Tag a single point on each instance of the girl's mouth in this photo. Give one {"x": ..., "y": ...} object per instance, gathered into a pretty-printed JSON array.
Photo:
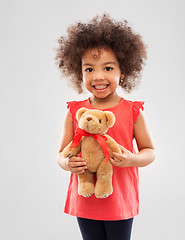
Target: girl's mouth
[{"x": 100, "y": 87}]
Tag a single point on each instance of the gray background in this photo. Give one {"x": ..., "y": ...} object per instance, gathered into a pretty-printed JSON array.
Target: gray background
[{"x": 33, "y": 96}]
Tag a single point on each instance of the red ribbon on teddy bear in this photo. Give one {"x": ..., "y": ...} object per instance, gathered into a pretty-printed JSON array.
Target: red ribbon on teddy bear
[{"x": 101, "y": 139}]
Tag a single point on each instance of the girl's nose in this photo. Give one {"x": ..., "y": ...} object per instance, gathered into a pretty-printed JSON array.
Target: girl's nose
[{"x": 99, "y": 75}]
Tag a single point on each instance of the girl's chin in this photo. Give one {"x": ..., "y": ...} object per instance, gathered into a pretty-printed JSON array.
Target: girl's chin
[
  {"x": 103, "y": 96},
  {"x": 100, "y": 95}
]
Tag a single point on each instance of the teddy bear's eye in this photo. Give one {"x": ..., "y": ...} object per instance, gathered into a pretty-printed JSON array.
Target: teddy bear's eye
[{"x": 99, "y": 121}]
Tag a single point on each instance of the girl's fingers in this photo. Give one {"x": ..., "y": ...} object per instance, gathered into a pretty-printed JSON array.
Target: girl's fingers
[
  {"x": 114, "y": 162},
  {"x": 77, "y": 165},
  {"x": 122, "y": 148},
  {"x": 76, "y": 159},
  {"x": 118, "y": 155},
  {"x": 78, "y": 170}
]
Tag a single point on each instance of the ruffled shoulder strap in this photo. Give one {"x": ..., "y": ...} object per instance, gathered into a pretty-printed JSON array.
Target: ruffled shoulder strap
[
  {"x": 72, "y": 108},
  {"x": 137, "y": 105},
  {"x": 70, "y": 104}
]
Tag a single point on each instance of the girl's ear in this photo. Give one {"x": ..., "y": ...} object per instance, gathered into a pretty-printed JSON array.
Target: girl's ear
[
  {"x": 123, "y": 72},
  {"x": 80, "y": 112},
  {"x": 122, "y": 76},
  {"x": 110, "y": 118}
]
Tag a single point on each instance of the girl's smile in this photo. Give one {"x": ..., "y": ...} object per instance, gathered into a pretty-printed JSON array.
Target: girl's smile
[
  {"x": 101, "y": 72},
  {"x": 101, "y": 87}
]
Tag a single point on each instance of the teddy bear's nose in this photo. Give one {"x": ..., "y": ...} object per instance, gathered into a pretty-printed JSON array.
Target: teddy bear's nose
[{"x": 89, "y": 119}]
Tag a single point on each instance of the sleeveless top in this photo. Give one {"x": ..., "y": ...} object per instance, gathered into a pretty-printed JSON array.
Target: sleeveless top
[{"x": 123, "y": 203}]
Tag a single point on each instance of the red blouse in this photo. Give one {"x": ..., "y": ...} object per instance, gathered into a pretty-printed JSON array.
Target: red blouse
[{"x": 123, "y": 203}]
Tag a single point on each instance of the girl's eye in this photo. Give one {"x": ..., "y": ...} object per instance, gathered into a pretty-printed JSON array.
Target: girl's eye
[
  {"x": 89, "y": 70},
  {"x": 108, "y": 68},
  {"x": 99, "y": 121}
]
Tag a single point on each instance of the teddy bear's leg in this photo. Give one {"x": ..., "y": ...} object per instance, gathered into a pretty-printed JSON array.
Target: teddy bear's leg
[
  {"x": 86, "y": 183},
  {"x": 103, "y": 186}
]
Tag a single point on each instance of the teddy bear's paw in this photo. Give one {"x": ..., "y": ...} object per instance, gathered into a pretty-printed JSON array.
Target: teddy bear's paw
[
  {"x": 87, "y": 195},
  {"x": 101, "y": 192},
  {"x": 106, "y": 196},
  {"x": 70, "y": 154},
  {"x": 103, "y": 195},
  {"x": 86, "y": 189}
]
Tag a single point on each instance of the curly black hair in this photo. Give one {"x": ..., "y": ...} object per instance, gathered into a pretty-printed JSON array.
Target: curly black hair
[{"x": 104, "y": 31}]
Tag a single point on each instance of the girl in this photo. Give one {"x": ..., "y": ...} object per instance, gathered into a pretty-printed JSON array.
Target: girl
[{"x": 102, "y": 55}]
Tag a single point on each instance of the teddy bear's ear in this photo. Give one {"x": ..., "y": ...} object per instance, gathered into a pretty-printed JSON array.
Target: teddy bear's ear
[
  {"x": 110, "y": 118},
  {"x": 80, "y": 112}
]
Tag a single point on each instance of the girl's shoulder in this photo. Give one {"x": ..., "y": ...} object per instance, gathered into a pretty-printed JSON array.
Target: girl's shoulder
[
  {"x": 73, "y": 106},
  {"x": 135, "y": 107}
]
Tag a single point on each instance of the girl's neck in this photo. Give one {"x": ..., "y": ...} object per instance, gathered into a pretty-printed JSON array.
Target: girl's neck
[{"x": 102, "y": 103}]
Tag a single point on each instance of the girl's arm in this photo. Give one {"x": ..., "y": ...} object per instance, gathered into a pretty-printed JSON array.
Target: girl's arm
[
  {"x": 146, "y": 154},
  {"x": 67, "y": 136},
  {"x": 75, "y": 164}
]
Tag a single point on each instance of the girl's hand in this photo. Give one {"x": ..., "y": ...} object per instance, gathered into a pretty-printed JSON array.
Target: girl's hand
[
  {"x": 76, "y": 165},
  {"x": 126, "y": 158}
]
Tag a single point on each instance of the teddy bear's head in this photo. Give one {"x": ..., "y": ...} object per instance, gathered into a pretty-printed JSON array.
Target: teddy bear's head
[{"x": 95, "y": 121}]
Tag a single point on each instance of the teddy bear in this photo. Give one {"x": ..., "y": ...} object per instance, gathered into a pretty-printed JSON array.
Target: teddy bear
[{"x": 96, "y": 148}]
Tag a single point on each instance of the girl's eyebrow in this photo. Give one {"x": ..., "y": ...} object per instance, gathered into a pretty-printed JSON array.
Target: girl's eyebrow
[
  {"x": 109, "y": 63},
  {"x": 106, "y": 63},
  {"x": 87, "y": 64}
]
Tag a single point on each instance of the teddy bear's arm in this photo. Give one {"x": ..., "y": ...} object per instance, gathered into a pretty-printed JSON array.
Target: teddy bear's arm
[
  {"x": 69, "y": 152},
  {"x": 114, "y": 147}
]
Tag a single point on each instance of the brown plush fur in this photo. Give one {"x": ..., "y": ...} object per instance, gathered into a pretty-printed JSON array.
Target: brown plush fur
[{"x": 94, "y": 122}]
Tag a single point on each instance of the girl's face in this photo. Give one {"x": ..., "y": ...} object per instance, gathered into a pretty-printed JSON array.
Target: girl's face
[{"x": 101, "y": 72}]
